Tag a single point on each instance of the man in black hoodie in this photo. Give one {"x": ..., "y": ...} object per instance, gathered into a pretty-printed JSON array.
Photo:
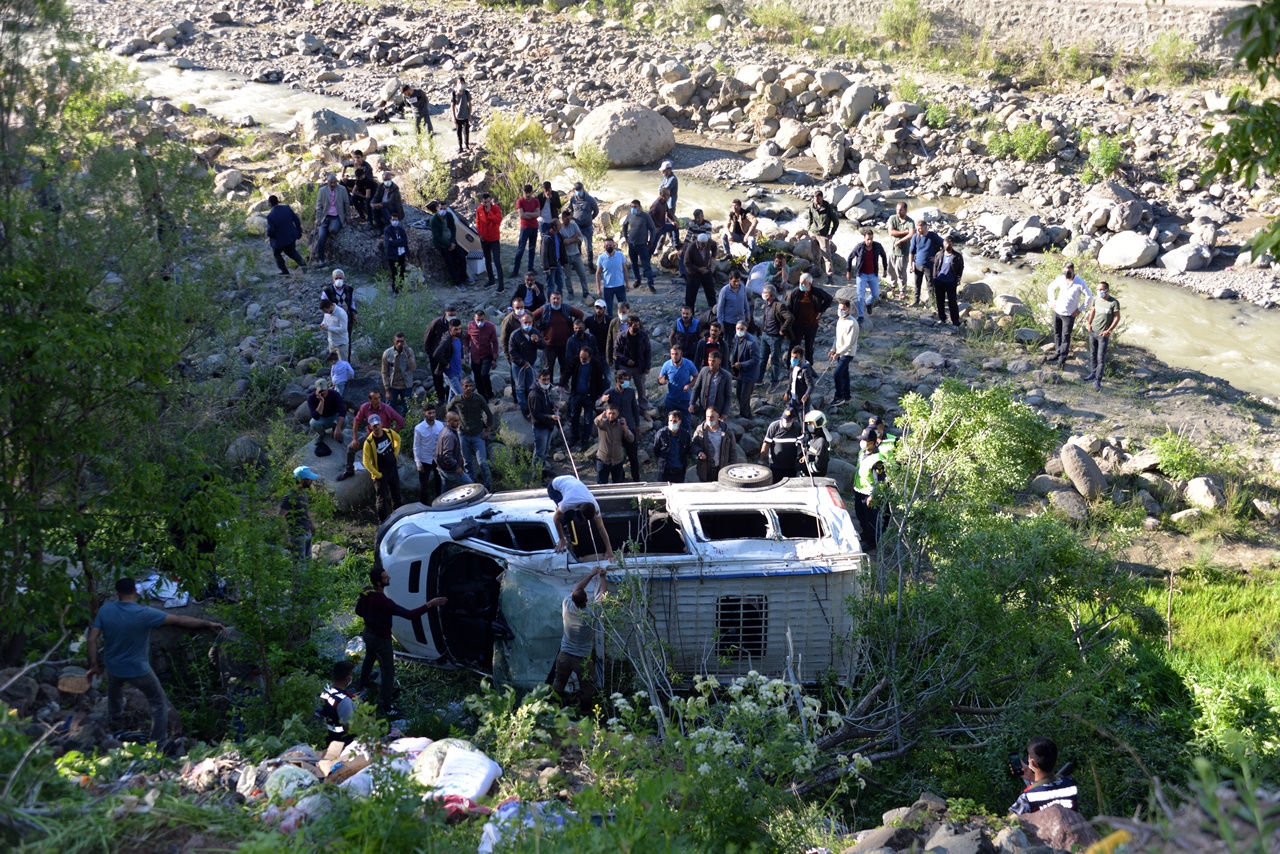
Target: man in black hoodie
[{"x": 283, "y": 232}]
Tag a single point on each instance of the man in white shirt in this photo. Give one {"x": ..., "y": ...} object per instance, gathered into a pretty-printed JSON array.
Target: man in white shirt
[
  {"x": 334, "y": 324},
  {"x": 425, "y": 438},
  {"x": 578, "y": 517},
  {"x": 1068, "y": 296}
]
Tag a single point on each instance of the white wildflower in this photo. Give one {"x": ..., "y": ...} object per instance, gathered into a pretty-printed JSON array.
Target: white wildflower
[{"x": 704, "y": 769}]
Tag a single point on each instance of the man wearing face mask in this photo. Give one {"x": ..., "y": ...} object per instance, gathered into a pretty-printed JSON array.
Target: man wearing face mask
[
  {"x": 617, "y": 326},
  {"x": 823, "y": 220},
  {"x": 779, "y": 450},
  {"x": 489, "y": 227},
  {"x": 698, "y": 261},
  {"x": 744, "y": 361},
  {"x": 543, "y": 412},
  {"x": 396, "y": 243},
  {"x": 555, "y": 322},
  {"x": 525, "y": 345},
  {"x": 387, "y": 204},
  {"x": 671, "y": 449},
  {"x": 444, "y": 235},
  {"x": 870, "y": 471},
  {"x": 436, "y": 333},
  {"x": 398, "y": 366},
  {"x": 340, "y": 294},
  {"x": 585, "y": 209},
  {"x": 734, "y": 303},
  {"x": 806, "y": 304},
  {"x": 623, "y": 396},
  {"x": 714, "y": 446},
  {"x": 585, "y": 382},
  {"x": 678, "y": 374},
  {"x": 803, "y": 379},
  {"x": 638, "y": 232},
  {"x": 611, "y": 276},
  {"x": 1104, "y": 317},
  {"x": 846, "y": 347},
  {"x": 597, "y": 326},
  {"x": 613, "y": 434},
  {"x": 712, "y": 387},
  {"x": 571, "y": 235},
  {"x": 460, "y": 106},
  {"x": 632, "y": 352},
  {"x": 482, "y": 347}
]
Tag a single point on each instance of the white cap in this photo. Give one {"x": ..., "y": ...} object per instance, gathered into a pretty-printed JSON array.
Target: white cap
[
  {"x": 704, "y": 237},
  {"x": 666, "y": 164}
]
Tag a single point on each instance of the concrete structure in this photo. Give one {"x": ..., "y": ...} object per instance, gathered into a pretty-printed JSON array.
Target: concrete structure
[{"x": 1106, "y": 25}]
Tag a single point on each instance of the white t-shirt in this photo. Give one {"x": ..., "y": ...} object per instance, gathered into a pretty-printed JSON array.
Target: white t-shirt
[
  {"x": 579, "y": 631},
  {"x": 425, "y": 437},
  {"x": 335, "y": 326},
  {"x": 574, "y": 492}
]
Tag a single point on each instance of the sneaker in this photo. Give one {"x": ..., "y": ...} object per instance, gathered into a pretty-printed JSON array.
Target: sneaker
[
  {"x": 346, "y": 474},
  {"x": 870, "y": 307},
  {"x": 652, "y": 289},
  {"x": 1090, "y": 378}
]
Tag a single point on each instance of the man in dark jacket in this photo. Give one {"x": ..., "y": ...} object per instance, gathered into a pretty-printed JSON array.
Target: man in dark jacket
[
  {"x": 922, "y": 249},
  {"x": 632, "y": 352},
  {"x": 687, "y": 331},
  {"x": 744, "y": 364},
  {"x": 386, "y": 204},
  {"x": 806, "y": 303},
  {"x": 711, "y": 388},
  {"x": 436, "y": 333},
  {"x": 444, "y": 237},
  {"x": 417, "y": 99},
  {"x": 377, "y": 609},
  {"x": 553, "y": 258},
  {"x": 555, "y": 322},
  {"x": 396, "y": 244},
  {"x": 284, "y": 230},
  {"x": 585, "y": 381},
  {"x": 776, "y": 322},
  {"x": 523, "y": 349},
  {"x": 622, "y": 395},
  {"x": 948, "y": 267},
  {"x": 545, "y": 417},
  {"x": 822, "y": 221},
  {"x": 671, "y": 448},
  {"x": 699, "y": 259},
  {"x": 867, "y": 261}
]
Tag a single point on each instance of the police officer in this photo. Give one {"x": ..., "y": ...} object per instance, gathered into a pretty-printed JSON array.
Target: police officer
[
  {"x": 779, "y": 450},
  {"x": 888, "y": 441},
  {"x": 870, "y": 471},
  {"x": 337, "y": 703}
]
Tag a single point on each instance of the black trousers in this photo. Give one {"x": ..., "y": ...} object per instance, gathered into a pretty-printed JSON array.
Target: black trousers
[
  {"x": 401, "y": 263},
  {"x": 554, "y": 354},
  {"x": 387, "y": 488},
  {"x": 291, "y": 251},
  {"x": 781, "y": 471},
  {"x": 492, "y": 260},
  {"x": 922, "y": 276},
  {"x": 943, "y": 291},
  {"x": 1097, "y": 354},
  {"x": 455, "y": 261},
  {"x": 1063, "y": 326},
  {"x": 672, "y": 475},
  {"x": 463, "y": 129},
  {"x": 693, "y": 281},
  {"x": 870, "y": 520},
  {"x": 381, "y": 650},
  {"x": 419, "y": 118},
  {"x": 807, "y": 335},
  {"x": 428, "y": 483},
  {"x": 482, "y": 370},
  {"x": 633, "y": 458}
]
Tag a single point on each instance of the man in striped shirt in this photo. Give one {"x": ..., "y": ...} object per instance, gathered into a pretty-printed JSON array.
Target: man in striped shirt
[{"x": 1045, "y": 787}]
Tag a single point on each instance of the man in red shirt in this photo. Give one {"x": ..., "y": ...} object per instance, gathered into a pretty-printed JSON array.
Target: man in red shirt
[
  {"x": 482, "y": 344},
  {"x": 529, "y": 209},
  {"x": 377, "y": 609},
  {"x": 489, "y": 227},
  {"x": 555, "y": 322},
  {"x": 374, "y": 406}
]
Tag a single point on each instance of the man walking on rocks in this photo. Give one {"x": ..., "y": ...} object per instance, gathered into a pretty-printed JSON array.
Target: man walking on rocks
[
  {"x": 585, "y": 209},
  {"x": 639, "y": 232},
  {"x": 1104, "y": 317},
  {"x": 334, "y": 325},
  {"x": 866, "y": 261},
  {"x": 426, "y": 435},
  {"x": 381, "y": 448},
  {"x": 333, "y": 209},
  {"x": 295, "y": 507},
  {"x": 948, "y": 267},
  {"x": 396, "y": 245},
  {"x": 528, "y": 209},
  {"x": 126, "y": 652},
  {"x": 662, "y": 216},
  {"x": 417, "y": 98},
  {"x": 901, "y": 227},
  {"x": 823, "y": 220},
  {"x": 489, "y": 227},
  {"x": 398, "y": 365},
  {"x": 460, "y": 105},
  {"x": 923, "y": 247},
  {"x": 283, "y": 231},
  {"x": 1068, "y": 296},
  {"x": 671, "y": 184}
]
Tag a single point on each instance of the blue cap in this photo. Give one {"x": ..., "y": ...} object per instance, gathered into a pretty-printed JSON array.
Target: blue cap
[{"x": 305, "y": 473}]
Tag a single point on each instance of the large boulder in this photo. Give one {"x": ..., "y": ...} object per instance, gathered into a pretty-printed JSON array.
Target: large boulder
[
  {"x": 1083, "y": 472},
  {"x": 762, "y": 170},
  {"x": 830, "y": 155},
  {"x": 894, "y": 838},
  {"x": 630, "y": 134},
  {"x": 998, "y": 224},
  {"x": 856, "y": 102},
  {"x": 1205, "y": 494},
  {"x": 977, "y": 292},
  {"x": 1128, "y": 250},
  {"x": 315, "y": 125},
  {"x": 1059, "y": 828},
  {"x": 1069, "y": 503},
  {"x": 353, "y": 495},
  {"x": 791, "y": 134},
  {"x": 874, "y": 176},
  {"x": 1186, "y": 258},
  {"x": 955, "y": 840}
]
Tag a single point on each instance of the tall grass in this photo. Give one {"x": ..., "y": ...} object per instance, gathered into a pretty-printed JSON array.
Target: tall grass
[{"x": 519, "y": 153}]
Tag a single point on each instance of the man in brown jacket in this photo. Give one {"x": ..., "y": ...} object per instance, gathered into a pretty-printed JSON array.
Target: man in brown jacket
[{"x": 612, "y": 452}]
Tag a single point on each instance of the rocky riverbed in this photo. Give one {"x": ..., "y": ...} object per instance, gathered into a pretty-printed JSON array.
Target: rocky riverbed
[{"x": 804, "y": 119}]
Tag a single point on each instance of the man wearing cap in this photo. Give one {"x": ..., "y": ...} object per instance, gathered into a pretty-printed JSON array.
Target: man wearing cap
[
  {"x": 1068, "y": 296},
  {"x": 585, "y": 209},
  {"x": 870, "y": 471},
  {"x": 127, "y": 653},
  {"x": 426, "y": 435},
  {"x": 888, "y": 446},
  {"x": 699, "y": 260},
  {"x": 328, "y": 412},
  {"x": 778, "y": 450},
  {"x": 385, "y": 414},
  {"x": 295, "y": 507},
  {"x": 611, "y": 275},
  {"x": 398, "y": 365},
  {"x": 571, "y": 236},
  {"x": 670, "y": 183},
  {"x": 333, "y": 209},
  {"x": 381, "y": 447},
  {"x": 489, "y": 227}
]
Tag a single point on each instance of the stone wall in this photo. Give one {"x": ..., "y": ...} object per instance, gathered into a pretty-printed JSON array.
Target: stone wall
[{"x": 1107, "y": 25}]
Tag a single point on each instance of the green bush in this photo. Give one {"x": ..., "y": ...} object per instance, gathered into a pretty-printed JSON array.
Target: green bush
[
  {"x": 591, "y": 163},
  {"x": 1171, "y": 55},
  {"x": 907, "y": 89},
  {"x": 1105, "y": 157},
  {"x": 907, "y": 23},
  {"x": 518, "y": 152},
  {"x": 1178, "y": 456},
  {"x": 1028, "y": 142},
  {"x": 937, "y": 116}
]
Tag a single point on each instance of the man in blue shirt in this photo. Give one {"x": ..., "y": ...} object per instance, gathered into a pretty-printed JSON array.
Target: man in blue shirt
[
  {"x": 127, "y": 653},
  {"x": 678, "y": 374},
  {"x": 923, "y": 246},
  {"x": 611, "y": 275}
]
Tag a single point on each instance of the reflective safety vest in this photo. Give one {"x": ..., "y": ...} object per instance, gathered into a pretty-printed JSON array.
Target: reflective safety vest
[
  {"x": 330, "y": 699},
  {"x": 864, "y": 479},
  {"x": 888, "y": 447}
]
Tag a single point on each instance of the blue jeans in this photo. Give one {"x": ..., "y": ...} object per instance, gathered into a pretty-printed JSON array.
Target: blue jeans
[
  {"x": 842, "y": 377},
  {"x": 871, "y": 282},
  {"x": 641, "y": 254},
  {"x": 555, "y": 280},
  {"x": 397, "y": 396},
  {"x": 475, "y": 453},
  {"x": 611, "y": 295},
  {"x": 522, "y": 384},
  {"x": 331, "y": 225},
  {"x": 588, "y": 230},
  {"x": 664, "y": 229},
  {"x": 454, "y": 383},
  {"x": 323, "y": 425},
  {"x": 150, "y": 687},
  {"x": 728, "y": 239},
  {"x": 529, "y": 238},
  {"x": 450, "y": 479},
  {"x": 775, "y": 356},
  {"x": 542, "y": 443}
]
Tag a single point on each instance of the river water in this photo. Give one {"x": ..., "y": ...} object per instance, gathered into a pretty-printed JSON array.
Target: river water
[{"x": 1236, "y": 341}]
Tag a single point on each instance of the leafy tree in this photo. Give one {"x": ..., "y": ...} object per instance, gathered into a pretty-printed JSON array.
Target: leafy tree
[
  {"x": 1251, "y": 143},
  {"x": 100, "y": 297}
]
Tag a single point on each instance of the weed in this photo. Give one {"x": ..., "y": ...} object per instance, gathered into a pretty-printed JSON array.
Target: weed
[
  {"x": 519, "y": 153},
  {"x": 907, "y": 23},
  {"x": 592, "y": 164},
  {"x": 381, "y": 319},
  {"x": 1171, "y": 55},
  {"x": 1028, "y": 142},
  {"x": 426, "y": 175},
  {"x": 1178, "y": 456},
  {"x": 907, "y": 89},
  {"x": 937, "y": 116},
  {"x": 1105, "y": 156}
]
